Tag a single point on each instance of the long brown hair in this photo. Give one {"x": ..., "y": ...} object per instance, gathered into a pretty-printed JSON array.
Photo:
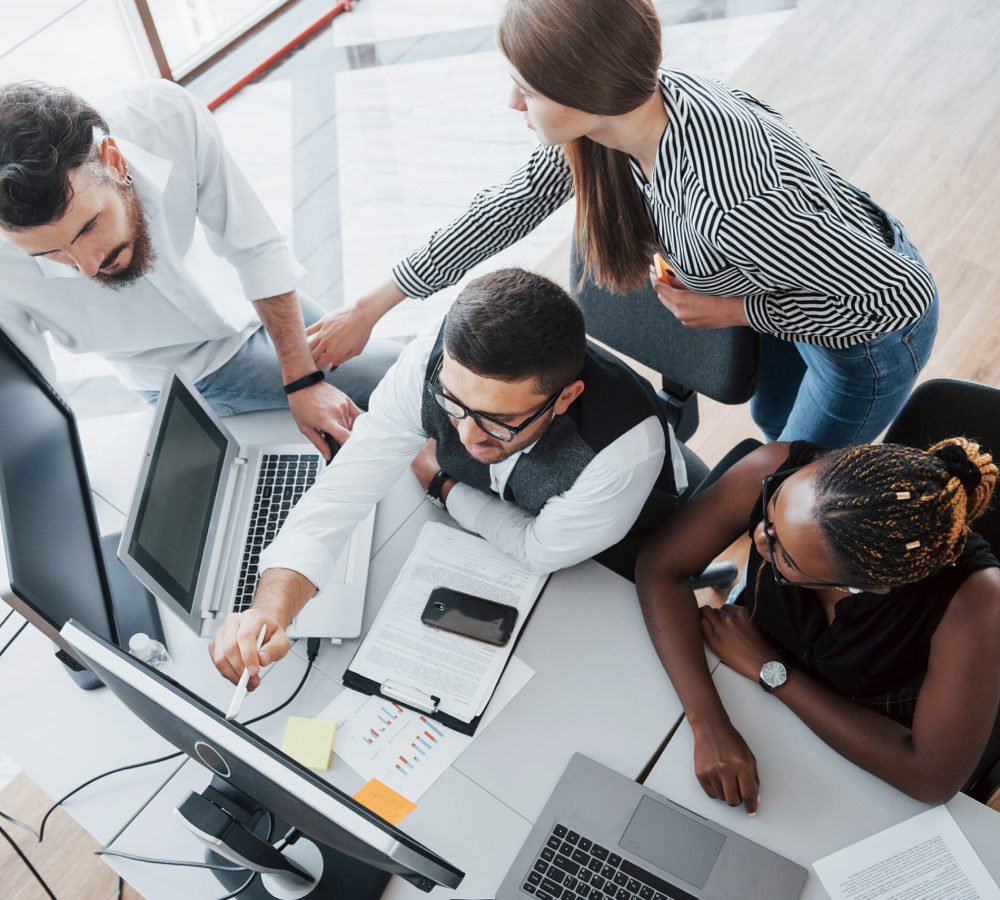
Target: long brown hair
[{"x": 600, "y": 57}]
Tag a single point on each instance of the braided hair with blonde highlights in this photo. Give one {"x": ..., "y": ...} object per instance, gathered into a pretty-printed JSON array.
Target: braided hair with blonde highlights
[{"x": 895, "y": 515}]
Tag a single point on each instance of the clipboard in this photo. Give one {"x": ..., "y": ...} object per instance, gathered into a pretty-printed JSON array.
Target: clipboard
[{"x": 426, "y": 704}]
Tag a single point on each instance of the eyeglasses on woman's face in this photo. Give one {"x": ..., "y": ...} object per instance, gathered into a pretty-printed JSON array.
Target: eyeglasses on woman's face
[{"x": 769, "y": 497}]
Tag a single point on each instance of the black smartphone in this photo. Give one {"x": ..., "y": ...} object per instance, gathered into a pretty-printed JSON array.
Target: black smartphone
[{"x": 471, "y": 616}]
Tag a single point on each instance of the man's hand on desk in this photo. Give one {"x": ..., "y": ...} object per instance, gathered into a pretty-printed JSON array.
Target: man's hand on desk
[
  {"x": 322, "y": 409},
  {"x": 280, "y": 596}
]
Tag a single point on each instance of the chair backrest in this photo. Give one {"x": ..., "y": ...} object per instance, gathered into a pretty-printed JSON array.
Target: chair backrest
[
  {"x": 720, "y": 363},
  {"x": 945, "y": 408}
]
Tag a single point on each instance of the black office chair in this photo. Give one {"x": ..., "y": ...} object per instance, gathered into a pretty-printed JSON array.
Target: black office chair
[
  {"x": 947, "y": 408},
  {"x": 719, "y": 363}
]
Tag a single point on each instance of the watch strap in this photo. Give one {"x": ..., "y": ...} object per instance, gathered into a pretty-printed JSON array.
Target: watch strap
[
  {"x": 304, "y": 382},
  {"x": 434, "y": 488}
]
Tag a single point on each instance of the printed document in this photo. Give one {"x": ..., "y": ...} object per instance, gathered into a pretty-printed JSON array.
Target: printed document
[
  {"x": 401, "y": 748},
  {"x": 461, "y": 671},
  {"x": 924, "y": 858}
]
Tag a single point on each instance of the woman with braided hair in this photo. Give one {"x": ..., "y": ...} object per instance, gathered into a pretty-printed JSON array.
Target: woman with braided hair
[{"x": 871, "y": 609}]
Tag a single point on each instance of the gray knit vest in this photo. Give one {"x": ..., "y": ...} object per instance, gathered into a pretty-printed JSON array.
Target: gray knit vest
[{"x": 615, "y": 399}]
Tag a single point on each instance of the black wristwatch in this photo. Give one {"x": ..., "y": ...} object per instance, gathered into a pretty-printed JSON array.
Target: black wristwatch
[
  {"x": 773, "y": 675},
  {"x": 304, "y": 382},
  {"x": 434, "y": 489}
]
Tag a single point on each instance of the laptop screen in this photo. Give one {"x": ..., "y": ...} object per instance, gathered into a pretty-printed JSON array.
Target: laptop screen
[{"x": 175, "y": 507}]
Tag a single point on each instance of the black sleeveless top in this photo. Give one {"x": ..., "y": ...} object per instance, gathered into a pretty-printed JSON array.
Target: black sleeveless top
[{"x": 877, "y": 647}]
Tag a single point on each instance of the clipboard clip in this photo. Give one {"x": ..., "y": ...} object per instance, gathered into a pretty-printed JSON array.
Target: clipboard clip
[{"x": 410, "y": 696}]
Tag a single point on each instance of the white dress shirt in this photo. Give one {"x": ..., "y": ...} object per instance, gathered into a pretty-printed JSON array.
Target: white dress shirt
[
  {"x": 595, "y": 513},
  {"x": 216, "y": 249}
]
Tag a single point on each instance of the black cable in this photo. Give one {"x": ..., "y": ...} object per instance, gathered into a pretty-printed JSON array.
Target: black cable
[
  {"x": 65, "y": 797},
  {"x": 20, "y": 824},
  {"x": 121, "y": 887},
  {"x": 313, "y": 645},
  {"x": 312, "y": 651},
  {"x": 240, "y": 889},
  {"x": 104, "y": 851},
  {"x": 27, "y": 862},
  {"x": 5, "y": 618},
  {"x": 16, "y": 635}
]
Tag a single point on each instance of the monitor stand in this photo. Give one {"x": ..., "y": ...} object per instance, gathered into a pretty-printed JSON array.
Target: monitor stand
[
  {"x": 340, "y": 877},
  {"x": 133, "y": 607}
]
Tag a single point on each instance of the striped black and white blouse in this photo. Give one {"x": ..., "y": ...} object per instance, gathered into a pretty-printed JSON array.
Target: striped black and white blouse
[{"x": 743, "y": 207}]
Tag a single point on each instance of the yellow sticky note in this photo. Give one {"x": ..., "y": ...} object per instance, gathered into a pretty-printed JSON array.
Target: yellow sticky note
[
  {"x": 385, "y": 802},
  {"x": 309, "y": 741}
]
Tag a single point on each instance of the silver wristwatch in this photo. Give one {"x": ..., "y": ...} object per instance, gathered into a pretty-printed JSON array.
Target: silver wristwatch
[{"x": 773, "y": 675}]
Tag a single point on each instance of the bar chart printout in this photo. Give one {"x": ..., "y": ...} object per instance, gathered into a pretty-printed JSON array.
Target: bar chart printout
[{"x": 401, "y": 748}]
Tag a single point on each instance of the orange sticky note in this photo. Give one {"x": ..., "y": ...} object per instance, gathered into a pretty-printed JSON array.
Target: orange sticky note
[{"x": 385, "y": 802}]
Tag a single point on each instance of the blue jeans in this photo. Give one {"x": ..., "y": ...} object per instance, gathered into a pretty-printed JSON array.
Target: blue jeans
[
  {"x": 838, "y": 398},
  {"x": 251, "y": 380}
]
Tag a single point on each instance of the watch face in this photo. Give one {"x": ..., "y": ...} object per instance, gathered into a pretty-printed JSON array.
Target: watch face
[{"x": 773, "y": 674}]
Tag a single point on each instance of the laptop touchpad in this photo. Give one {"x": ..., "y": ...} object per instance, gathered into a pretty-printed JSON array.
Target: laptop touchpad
[{"x": 675, "y": 842}]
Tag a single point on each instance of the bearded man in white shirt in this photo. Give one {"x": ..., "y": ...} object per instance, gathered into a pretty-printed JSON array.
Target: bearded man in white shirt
[
  {"x": 550, "y": 448},
  {"x": 132, "y": 234}
]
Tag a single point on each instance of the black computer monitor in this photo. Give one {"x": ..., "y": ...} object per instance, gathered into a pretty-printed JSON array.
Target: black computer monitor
[
  {"x": 257, "y": 789},
  {"x": 57, "y": 566}
]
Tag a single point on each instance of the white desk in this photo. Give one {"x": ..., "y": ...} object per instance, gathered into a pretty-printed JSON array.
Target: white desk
[
  {"x": 813, "y": 801},
  {"x": 587, "y": 695},
  {"x": 61, "y": 736}
]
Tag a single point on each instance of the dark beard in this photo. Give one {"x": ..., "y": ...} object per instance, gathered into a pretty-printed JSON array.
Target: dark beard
[{"x": 143, "y": 255}]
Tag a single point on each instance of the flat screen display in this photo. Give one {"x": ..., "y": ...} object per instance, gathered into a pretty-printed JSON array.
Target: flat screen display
[
  {"x": 175, "y": 507},
  {"x": 50, "y": 533}
]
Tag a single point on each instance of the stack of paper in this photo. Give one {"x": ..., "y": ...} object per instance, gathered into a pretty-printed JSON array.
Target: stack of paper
[{"x": 401, "y": 650}]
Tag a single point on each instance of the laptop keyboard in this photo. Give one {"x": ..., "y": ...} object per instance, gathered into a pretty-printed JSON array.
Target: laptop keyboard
[
  {"x": 281, "y": 482},
  {"x": 572, "y": 867}
]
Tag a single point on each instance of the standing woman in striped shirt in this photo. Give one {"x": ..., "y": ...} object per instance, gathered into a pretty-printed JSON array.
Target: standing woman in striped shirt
[{"x": 760, "y": 230}]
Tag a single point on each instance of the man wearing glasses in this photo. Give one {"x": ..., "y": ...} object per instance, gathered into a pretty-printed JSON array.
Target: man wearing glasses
[{"x": 549, "y": 448}]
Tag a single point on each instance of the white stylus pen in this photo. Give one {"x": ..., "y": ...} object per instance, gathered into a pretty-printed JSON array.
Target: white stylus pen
[{"x": 241, "y": 688}]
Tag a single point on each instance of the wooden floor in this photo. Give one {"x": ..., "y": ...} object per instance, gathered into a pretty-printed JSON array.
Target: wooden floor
[{"x": 901, "y": 97}]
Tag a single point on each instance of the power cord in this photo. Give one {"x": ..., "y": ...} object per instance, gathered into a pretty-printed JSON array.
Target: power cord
[
  {"x": 17, "y": 634},
  {"x": 27, "y": 862},
  {"x": 121, "y": 854},
  {"x": 65, "y": 797},
  {"x": 312, "y": 651},
  {"x": 241, "y": 888},
  {"x": 313, "y": 646}
]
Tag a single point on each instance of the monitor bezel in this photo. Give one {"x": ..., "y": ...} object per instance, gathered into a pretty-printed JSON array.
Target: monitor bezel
[
  {"x": 14, "y": 593},
  {"x": 116, "y": 668}
]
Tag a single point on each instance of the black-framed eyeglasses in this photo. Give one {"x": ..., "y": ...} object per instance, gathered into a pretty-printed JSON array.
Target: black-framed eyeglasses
[
  {"x": 766, "y": 495},
  {"x": 499, "y": 430}
]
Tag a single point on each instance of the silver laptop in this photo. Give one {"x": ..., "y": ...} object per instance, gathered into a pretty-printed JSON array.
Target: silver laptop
[
  {"x": 205, "y": 507},
  {"x": 602, "y": 836}
]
